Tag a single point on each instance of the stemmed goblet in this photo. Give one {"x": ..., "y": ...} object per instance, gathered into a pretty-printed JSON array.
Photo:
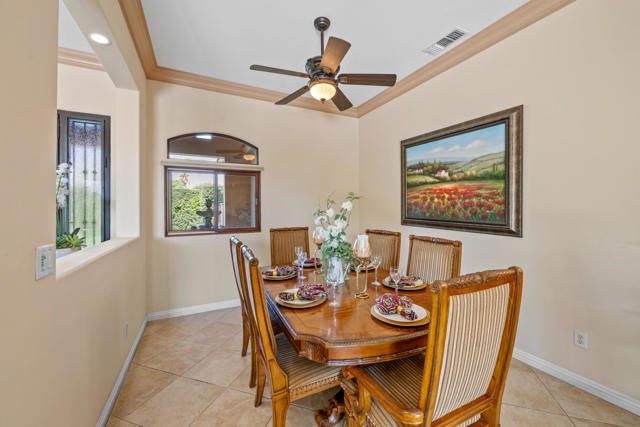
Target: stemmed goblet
[
  {"x": 302, "y": 256},
  {"x": 317, "y": 240},
  {"x": 362, "y": 252},
  {"x": 376, "y": 261},
  {"x": 394, "y": 273}
]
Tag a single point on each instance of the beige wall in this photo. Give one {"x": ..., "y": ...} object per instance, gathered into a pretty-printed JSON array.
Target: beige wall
[
  {"x": 62, "y": 337},
  {"x": 306, "y": 155},
  {"x": 576, "y": 72}
]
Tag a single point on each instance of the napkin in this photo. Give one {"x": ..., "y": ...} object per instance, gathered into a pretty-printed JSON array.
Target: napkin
[
  {"x": 307, "y": 292},
  {"x": 392, "y": 304},
  {"x": 405, "y": 281}
]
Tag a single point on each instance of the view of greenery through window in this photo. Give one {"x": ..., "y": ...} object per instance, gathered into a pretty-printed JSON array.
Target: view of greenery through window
[{"x": 189, "y": 192}]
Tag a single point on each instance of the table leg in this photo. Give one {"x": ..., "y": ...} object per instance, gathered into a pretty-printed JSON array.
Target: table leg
[{"x": 334, "y": 413}]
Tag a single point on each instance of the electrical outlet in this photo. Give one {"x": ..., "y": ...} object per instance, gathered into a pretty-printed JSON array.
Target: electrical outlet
[
  {"x": 581, "y": 339},
  {"x": 126, "y": 329},
  {"x": 44, "y": 261}
]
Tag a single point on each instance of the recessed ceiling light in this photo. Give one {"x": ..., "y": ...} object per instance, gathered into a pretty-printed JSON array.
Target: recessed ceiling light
[
  {"x": 99, "y": 38},
  {"x": 204, "y": 136}
]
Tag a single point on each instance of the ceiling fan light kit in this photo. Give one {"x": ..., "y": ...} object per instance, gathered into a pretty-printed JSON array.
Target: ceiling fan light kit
[{"x": 322, "y": 72}]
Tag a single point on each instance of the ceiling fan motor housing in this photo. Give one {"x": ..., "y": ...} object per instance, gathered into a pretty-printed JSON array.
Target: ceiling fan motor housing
[{"x": 316, "y": 72}]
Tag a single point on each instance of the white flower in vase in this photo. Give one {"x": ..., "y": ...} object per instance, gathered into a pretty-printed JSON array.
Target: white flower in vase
[
  {"x": 347, "y": 206},
  {"x": 330, "y": 213}
]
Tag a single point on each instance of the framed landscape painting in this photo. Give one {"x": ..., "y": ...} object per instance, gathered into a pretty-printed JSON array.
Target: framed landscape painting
[{"x": 467, "y": 176}]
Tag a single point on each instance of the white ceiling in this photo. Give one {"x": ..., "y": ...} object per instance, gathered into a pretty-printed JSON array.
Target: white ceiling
[
  {"x": 69, "y": 35},
  {"x": 222, "y": 39}
]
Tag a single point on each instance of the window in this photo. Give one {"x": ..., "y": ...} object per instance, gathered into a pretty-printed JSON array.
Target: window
[
  {"x": 211, "y": 200},
  {"x": 84, "y": 143},
  {"x": 212, "y": 147}
]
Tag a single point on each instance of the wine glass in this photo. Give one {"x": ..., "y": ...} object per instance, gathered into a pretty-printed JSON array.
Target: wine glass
[
  {"x": 302, "y": 257},
  {"x": 394, "y": 273},
  {"x": 376, "y": 261}
]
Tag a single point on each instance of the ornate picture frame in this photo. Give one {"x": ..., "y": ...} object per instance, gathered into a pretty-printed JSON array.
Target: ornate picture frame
[{"x": 466, "y": 177}]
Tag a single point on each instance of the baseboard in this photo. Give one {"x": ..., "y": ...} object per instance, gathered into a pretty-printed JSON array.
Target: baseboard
[
  {"x": 590, "y": 386},
  {"x": 108, "y": 407},
  {"x": 194, "y": 309}
]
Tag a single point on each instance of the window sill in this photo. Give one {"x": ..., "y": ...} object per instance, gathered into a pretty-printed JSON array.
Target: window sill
[
  {"x": 210, "y": 165},
  {"x": 75, "y": 261}
]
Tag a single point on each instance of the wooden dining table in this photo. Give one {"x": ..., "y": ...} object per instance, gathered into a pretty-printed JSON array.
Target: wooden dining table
[{"x": 342, "y": 331}]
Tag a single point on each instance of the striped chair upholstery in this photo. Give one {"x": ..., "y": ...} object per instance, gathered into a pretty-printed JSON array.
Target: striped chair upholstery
[
  {"x": 291, "y": 377},
  {"x": 470, "y": 341},
  {"x": 386, "y": 245},
  {"x": 433, "y": 259},
  {"x": 283, "y": 242}
]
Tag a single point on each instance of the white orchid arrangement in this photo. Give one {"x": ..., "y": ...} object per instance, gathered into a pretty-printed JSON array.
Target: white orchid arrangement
[
  {"x": 331, "y": 226},
  {"x": 64, "y": 240},
  {"x": 62, "y": 184}
]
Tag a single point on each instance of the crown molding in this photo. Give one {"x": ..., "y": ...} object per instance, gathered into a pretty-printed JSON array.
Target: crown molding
[
  {"x": 79, "y": 58},
  {"x": 527, "y": 14}
]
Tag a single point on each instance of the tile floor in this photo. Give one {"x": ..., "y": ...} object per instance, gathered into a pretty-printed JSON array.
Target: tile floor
[{"x": 188, "y": 372}]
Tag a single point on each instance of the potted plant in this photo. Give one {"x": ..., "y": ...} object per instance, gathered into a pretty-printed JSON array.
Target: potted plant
[
  {"x": 65, "y": 242},
  {"x": 336, "y": 252}
]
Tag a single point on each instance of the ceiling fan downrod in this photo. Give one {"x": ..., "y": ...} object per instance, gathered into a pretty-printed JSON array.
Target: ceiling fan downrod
[{"x": 322, "y": 24}]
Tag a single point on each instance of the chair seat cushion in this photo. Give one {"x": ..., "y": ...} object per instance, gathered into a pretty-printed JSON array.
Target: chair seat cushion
[{"x": 305, "y": 377}]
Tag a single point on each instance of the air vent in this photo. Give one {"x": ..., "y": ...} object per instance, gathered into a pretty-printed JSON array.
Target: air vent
[{"x": 438, "y": 47}]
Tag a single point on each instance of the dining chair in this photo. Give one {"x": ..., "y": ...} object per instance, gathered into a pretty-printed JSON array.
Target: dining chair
[
  {"x": 283, "y": 242},
  {"x": 242, "y": 287},
  {"x": 460, "y": 379},
  {"x": 386, "y": 245},
  {"x": 432, "y": 258},
  {"x": 291, "y": 377}
]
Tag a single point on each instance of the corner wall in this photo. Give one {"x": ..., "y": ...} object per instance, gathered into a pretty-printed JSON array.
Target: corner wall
[
  {"x": 62, "y": 337},
  {"x": 306, "y": 156},
  {"x": 576, "y": 72}
]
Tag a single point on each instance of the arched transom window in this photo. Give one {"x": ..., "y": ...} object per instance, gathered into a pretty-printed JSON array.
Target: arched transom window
[
  {"x": 212, "y": 147},
  {"x": 205, "y": 197}
]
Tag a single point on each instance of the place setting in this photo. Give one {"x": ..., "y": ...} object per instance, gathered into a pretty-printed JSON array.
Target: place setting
[
  {"x": 304, "y": 296},
  {"x": 399, "y": 311},
  {"x": 397, "y": 280},
  {"x": 285, "y": 272}
]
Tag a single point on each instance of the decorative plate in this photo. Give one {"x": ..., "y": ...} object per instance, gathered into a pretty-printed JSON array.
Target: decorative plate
[
  {"x": 367, "y": 268},
  {"x": 418, "y": 285},
  {"x": 395, "y": 319},
  {"x": 299, "y": 303},
  {"x": 308, "y": 264},
  {"x": 277, "y": 278}
]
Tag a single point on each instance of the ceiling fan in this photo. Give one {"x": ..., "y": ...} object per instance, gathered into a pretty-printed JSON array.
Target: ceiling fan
[{"x": 322, "y": 72}]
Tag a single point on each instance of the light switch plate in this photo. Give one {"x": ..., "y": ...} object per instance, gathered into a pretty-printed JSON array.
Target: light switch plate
[{"x": 45, "y": 257}]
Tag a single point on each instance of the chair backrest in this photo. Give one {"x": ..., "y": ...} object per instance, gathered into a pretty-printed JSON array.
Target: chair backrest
[
  {"x": 239, "y": 273},
  {"x": 283, "y": 242},
  {"x": 264, "y": 336},
  {"x": 471, "y": 336},
  {"x": 431, "y": 258},
  {"x": 386, "y": 245}
]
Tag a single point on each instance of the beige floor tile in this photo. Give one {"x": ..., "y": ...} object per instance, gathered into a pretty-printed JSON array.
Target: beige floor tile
[
  {"x": 232, "y": 316},
  {"x": 140, "y": 385},
  {"x": 317, "y": 401},
  {"x": 220, "y": 367},
  {"x": 513, "y": 416},
  {"x": 235, "y": 408},
  {"x": 580, "y": 404},
  {"x": 179, "y": 358},
  {"x": 218, "y": 334},
  {"x": 586, "y": 423},
  {"x": 299, "y": 417},
  {"x": 117, "y": 422},
  {"x": 241, "y": 383},
  {"x": 152, "y": 344},
  {"x": 177, "y": 405},
  {"x": 525, "y": 389}
]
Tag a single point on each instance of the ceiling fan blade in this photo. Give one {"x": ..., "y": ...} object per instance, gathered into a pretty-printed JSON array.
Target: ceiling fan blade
[
  {"x": 341, "y": 100},
  {"x": 277, "y": 70},
  {"x": 287, "y": 99},
  {"x": 368, "y": 79},
  {"x": 334, "y": 52}
]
